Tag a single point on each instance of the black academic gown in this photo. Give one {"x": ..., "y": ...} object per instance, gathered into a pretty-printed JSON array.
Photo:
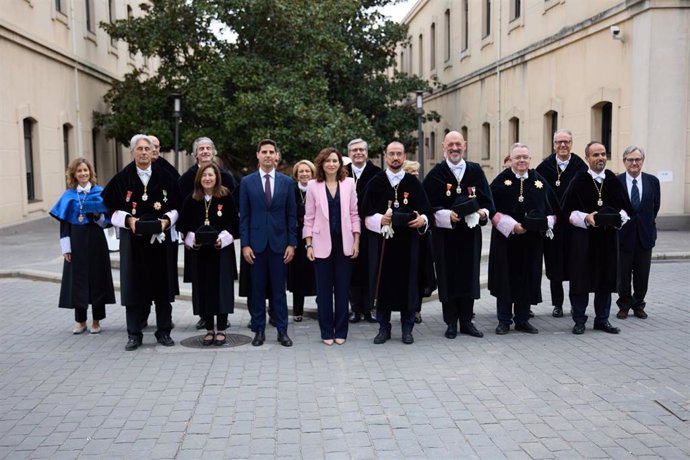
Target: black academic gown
[
  {"x": 165, "y": 165},
  {"x": 592, "y": 253},
  {"x": 554, "y": 250},
  {"x": 148, "y": 271},
  {"x": 300, "y": 277},
  {"x": 87, "y": 279},
  {"x": 211, "y": 269},
  {"x": 185, "y": 184},
  {"x": 457, "y": 251},
  {"x": 400, "y": 286},
  {"x": 360, "y": 265},
  {"x": 515, "y": 263}
]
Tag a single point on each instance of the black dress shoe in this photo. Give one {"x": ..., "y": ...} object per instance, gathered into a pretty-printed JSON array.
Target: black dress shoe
[
  {"x": 201, "y": 324},
  {"x": 622, "y": 313},
  {"x": 382, "y": 337},
  {"x": 133, "y": 343},
  {"x": 259, "y": 339},
  {"x": 407, "y": 338},
  {"x": 502, "y": 328},
  {"x": 579, "y": 328},
  {"x": 606, "y": 327},
  {"x": 526, "y": 327},
  {"x": 557, "y": 312},
  {"x": 355, "y": 318},
  {"x": 284, "y": 339},
  {"x": 469, "y": 329},
  {"x": 369, "y": 318},
  {"x": 451, "y": 331},
  {"x": 164, "y": 339}
]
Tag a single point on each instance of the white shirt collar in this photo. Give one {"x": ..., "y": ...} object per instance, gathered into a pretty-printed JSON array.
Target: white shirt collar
[
  {"x": 458, "y": 167},
  {"x": 395, "y": 178},
  {"x": 521, "y": 176},
  {"x": 86, "y": 189},
  {"x": 263, "y": 173},
  {"x": 358, "y": 171},
  {"x": 302, "y": 187},
  {"x": 142, "y": 172},
  {"x": 599, "y": 176}
]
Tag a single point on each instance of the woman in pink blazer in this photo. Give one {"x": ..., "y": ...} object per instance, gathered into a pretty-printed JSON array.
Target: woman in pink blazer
[{"x": 331, "y": 231}]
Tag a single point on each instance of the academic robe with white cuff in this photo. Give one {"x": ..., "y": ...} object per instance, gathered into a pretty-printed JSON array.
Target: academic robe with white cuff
[{"x": 400, "y": 286}]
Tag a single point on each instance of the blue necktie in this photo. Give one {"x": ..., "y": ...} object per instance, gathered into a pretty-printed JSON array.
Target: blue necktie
[{"x": 635, "y": 196}]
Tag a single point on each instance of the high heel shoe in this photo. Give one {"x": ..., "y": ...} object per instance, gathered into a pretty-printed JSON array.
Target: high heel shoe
[
  {"x": 328, "y": 342},
  {"x": 340, "y": 341}
]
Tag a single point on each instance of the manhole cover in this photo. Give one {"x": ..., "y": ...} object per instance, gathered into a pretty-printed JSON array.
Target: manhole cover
[{"x": 234, "y": 340}]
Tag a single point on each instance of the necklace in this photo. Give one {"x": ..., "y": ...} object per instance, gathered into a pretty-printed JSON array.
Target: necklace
[
  {"x": 301, "y": 195},
  {"x": 81, "y": 205},
  {"x": 559, "y": 171},
  {"x": 396, "y": 203},
  {"x": 521, "y": 198},
  {"x": 600, "y": 202},
  {"x": 207, "y": 204}
]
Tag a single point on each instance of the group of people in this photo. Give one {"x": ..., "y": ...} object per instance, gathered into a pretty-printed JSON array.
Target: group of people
[{"x": 365, "y": 241}]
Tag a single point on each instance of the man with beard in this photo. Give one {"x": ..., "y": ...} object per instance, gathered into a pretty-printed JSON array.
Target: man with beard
[
  {"x": 523, "y": 216},
  {"x": 558, "y": 169},
  {"x": 362, "y": 170},
  {"x": 397, "y": 215},
  {"x": 204, "y": 151},
  {"x": 597, "y": 206},
  {"x": 461, "y": 199},
  {"x": 144, "y": 204}
]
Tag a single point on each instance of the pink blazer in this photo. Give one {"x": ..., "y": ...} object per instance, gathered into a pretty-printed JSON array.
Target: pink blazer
[{"x": 316, "y": 223}]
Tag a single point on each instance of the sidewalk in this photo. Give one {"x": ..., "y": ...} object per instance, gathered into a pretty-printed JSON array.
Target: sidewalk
[{"x": 519, "y": 396}]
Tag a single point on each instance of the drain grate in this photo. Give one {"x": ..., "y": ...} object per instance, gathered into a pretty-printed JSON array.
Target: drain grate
[{"x": 234, "y": 340}]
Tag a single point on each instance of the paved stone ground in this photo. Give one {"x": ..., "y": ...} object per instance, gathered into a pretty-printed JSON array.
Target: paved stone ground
[{"x": 553, "y": 395}]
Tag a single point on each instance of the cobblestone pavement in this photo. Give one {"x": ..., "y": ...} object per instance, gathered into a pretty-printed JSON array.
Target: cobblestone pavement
[{"x": 551, "y": 395}]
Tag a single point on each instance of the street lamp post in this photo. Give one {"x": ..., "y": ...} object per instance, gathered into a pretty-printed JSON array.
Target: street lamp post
[
  {"x": 420, "y": 133},
  {"x": 177, "y": 102}
]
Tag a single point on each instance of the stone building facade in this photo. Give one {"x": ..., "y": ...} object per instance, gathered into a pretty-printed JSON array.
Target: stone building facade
[{"x": 516, "y": 70}]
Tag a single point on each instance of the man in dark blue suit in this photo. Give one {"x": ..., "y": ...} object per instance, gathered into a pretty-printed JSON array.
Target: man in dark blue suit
[
  {"x": 268, "y": 231},
  {"x": 638, "y": 237}
]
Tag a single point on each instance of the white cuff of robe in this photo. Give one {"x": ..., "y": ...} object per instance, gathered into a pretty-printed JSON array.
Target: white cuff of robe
[
  {"x": 551, "y": 221},
  {"x": 172, "y": 215},
  {"x": 486, "y": 213},
  {"x": 373, "y": 223},
  {"x": 426, "y": 224},
  {"x": 504, "y": 224},
  {"x": 119, "y": 219},
  {"x": 189, "y": 239},
  {"x": 442, "y": 218},
  {"x": 226, "y": 239},
  {"x": 174, "y": 235},
  {"x": 624, "y": 217},
  {"x": 577, "y": 218},
  {"x": 102, "y": 221},
  {"x": 66, "y": 245}
]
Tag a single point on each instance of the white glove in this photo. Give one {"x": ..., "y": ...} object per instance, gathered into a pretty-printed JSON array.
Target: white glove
[
  {"x": 549, "y": 234},
  {"x": 624, "y": 217},
  {"x": 157, "y": 236},
  {"x": 387, "y": 230},
  {"x": 472, "y": 220}
]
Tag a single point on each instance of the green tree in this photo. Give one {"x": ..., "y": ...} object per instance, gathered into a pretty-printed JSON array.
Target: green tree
[{"x": 307, "y": 74}]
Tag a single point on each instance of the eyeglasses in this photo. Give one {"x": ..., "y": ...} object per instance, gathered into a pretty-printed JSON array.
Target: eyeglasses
[
  {"x": 562, "y": 142},
  {"x": 634, "y": 160}
]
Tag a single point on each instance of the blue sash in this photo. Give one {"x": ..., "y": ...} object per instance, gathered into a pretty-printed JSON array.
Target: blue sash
[{"x": 67, "y": 207}]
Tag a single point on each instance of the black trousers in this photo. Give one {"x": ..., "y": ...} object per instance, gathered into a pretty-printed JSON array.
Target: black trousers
[
  {"x": 135, "y": 318},
  {"x": 98, "y": 312},
  {"x": 221, "y": 324},
  {"x": 359, "y": 299},
  {"x": 557, "y": 294},
  {"x": 504, "y": 312},
  {"x": 602, "y": 307},
  {"x": 297, "y": 304},
  {"x": 458, "y": 309},
  {"x": 633, "y": 266}
]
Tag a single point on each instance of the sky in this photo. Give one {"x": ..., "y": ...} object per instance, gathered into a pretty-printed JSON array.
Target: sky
[{"x": 398, "y": 11}]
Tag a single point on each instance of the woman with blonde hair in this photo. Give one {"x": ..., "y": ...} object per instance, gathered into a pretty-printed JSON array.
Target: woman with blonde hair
[
  {"x": 300, "y": 277},
  {"x": 86, "y": 275}
]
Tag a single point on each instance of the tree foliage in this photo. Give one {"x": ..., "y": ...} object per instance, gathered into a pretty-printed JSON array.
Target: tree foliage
[{"x": 305, "y": 73}]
